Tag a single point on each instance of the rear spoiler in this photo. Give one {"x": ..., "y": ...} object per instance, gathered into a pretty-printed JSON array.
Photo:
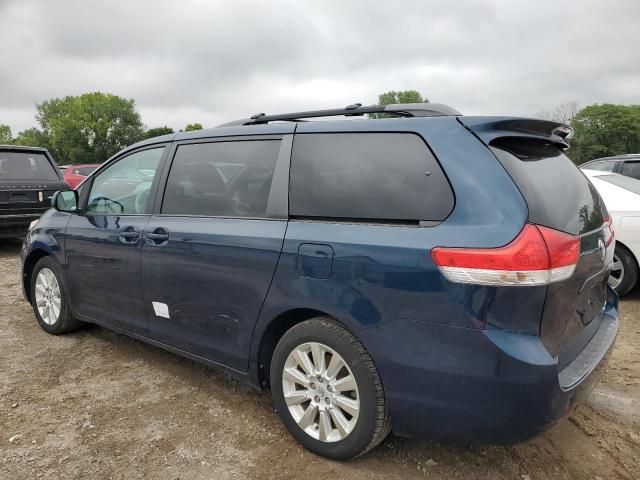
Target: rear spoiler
[{"x": 490, "y": 128}]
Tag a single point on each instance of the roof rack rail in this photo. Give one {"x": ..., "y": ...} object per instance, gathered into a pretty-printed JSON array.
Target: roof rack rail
[{"x": 355, "y": 110}]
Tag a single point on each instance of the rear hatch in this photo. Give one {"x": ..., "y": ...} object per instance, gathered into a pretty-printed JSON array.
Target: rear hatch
[
  {"x": 28, "y": 180},
  {"x": 558, "y": 196}
]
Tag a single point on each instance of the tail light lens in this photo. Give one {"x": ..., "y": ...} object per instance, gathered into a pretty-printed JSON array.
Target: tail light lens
[
  {"x": 609, "y": 231},
  {"x": 537, "y": 256}
]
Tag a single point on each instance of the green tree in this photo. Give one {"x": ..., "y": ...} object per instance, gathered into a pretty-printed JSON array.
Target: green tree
[
  {"x": 193, "y": 126},
  {"x": 157, "y": 131},
  {"x": 88, "y": 128},
  {"x": 403, "y": 96},
  {"x": 604, "y": 130},
  {"x": 6, "y": 136},
  {"x": 32, "y": 137},
  {"x": 392, "y": 97}
]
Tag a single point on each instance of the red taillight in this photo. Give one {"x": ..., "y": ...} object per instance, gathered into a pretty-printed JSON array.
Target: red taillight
[
  {"x": 564, "y": 249},
  {"x": 537, "y": 256},
  {"x": 610, "y": 232}
]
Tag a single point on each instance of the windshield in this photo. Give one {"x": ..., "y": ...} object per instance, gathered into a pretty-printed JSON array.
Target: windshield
[{"x": 26, "y": 166}]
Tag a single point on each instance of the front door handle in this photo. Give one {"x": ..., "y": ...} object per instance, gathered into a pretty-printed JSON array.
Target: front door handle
[
  {"x": 157, "y": 237},
  {"x": 129, "y": 235}
]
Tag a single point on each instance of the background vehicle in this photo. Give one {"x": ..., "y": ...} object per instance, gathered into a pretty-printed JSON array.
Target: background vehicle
[
  {"x": 627, "y": 165},
  {"x": 74, "y": 174},
  {"x": 28, "y": 179},
  {"x": 622, "y": 196},
  {"x": 441, "y": 275}
]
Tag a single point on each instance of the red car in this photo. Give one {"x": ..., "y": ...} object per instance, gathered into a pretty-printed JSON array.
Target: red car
[{"x": 74, "y": 174}]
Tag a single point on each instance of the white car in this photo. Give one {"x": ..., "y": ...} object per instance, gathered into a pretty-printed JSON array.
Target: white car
[{"x": 621, "y": 195}]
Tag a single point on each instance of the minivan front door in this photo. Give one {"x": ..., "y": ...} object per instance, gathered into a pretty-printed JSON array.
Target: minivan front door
[
  {"x": 210, "y": 252},
  {"x": 103, "y": 242}
]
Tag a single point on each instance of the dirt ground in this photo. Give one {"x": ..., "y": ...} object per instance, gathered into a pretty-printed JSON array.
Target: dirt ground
[{"x": 96, "y": 404}]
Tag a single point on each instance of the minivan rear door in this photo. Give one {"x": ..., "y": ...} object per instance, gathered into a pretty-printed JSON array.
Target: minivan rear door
[
  {"x": 558, "y": 196},
  {"x": 211, "y": 248}
]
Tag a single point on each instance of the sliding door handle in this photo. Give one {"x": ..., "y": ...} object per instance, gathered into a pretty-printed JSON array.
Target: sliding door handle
[{"x": 157, "y": 237}]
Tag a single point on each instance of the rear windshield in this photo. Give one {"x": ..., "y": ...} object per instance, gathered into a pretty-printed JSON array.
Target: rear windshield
[
  {"x": 557, "y": 193},
  {"x": 26, "y": 166},
  {"x": 607, "y": 166},
  {"x": 628, "y": 183},
  {"x": 84, "y": 171}
]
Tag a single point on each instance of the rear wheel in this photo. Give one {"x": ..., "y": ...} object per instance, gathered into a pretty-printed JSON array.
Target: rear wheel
[
  {"x": 624, "y": 273},
  {"x": 327, "y": 390},
  {"x": 49, "y": 299}
]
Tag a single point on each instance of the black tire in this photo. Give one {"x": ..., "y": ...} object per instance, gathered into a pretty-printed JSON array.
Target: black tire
[
  {"x": 630, "y": 272},
  {"x": 372, "y": 424},
  {"x": 65, "y": 321}
]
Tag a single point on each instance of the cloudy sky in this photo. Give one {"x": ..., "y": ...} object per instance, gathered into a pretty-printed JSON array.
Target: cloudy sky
[{"x": 212, "y": 61}]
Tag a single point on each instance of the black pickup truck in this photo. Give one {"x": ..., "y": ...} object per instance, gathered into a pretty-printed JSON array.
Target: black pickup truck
[{"x": 28, "y": 179}]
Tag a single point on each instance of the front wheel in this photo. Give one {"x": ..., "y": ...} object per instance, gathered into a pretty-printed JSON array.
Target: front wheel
[
  {"x": 327, "y": 390},
  {"x": 49, "y": 299}
]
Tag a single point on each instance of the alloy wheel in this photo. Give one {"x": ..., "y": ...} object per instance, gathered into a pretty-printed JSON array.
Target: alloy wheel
[
  {"x": 617, "y": 272},
  {"x": 48, "y": 297},
  {"x": 321, "y": 392}
]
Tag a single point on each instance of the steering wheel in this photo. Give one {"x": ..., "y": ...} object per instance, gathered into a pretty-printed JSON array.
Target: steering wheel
[{"x": 108, "y": 204}]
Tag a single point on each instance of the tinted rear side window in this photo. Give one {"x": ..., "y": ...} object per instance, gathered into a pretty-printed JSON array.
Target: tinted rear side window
[
  {"x": 377, "y": 176},
  {"x": 26, "y": 166},
  {"x": 631, "y": 169},
  {"x": 228, "y": 179}
]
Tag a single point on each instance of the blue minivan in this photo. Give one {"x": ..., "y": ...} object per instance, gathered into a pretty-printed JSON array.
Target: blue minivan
[{"x": 402, "y": 268}]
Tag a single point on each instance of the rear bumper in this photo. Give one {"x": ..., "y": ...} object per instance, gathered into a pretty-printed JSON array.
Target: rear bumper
[
  {"x": 483, "y": 385},
  {"x": 12, "y": 225}
]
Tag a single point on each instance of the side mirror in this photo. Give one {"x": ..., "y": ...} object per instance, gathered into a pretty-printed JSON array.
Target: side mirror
[{"x": 65, "y": 201}]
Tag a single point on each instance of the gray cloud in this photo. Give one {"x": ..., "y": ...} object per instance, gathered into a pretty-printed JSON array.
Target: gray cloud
[{"x": 212, "y": 61}]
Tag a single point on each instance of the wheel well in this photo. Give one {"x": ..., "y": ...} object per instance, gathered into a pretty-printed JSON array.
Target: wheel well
[
  {"x": 274, "y": 332},
  {"x": 27, "y": 270}
]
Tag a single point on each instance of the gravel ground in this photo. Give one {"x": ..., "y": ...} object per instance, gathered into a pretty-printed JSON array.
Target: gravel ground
[{"x": 96, "y": 404}]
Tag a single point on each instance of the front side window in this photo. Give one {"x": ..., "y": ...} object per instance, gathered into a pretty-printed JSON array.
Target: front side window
[
  {"x": 123, "y": 188},
  {"x": 631, "y": 169},
  {"x": 376, "y": 176},
  {"x": 228, "y": 179}
]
